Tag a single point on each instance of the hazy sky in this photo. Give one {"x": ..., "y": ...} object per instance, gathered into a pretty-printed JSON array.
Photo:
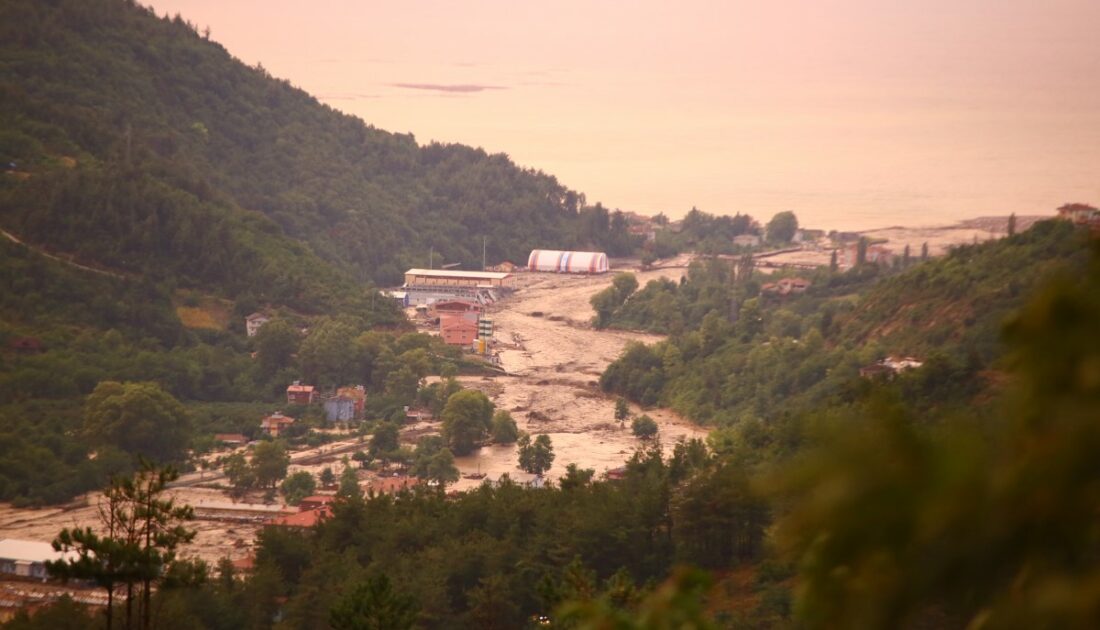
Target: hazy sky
[{"x": 852, "y": 113}]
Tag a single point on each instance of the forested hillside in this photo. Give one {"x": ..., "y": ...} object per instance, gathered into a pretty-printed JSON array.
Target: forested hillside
[
  {"x": 140, "y": 144},
  {"x": 864, "y": 513},
  {"x": 162, "y": 191},
  {"x": 737, "y": 352}
]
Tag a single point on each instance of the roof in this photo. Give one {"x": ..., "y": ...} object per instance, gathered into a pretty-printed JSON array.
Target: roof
[
  {"x": 256, "y": 316},
  {"x": 299, "y": 388},
  {"x": 305, "y": 518},
  {"x": 30, "y": 551},
  {"x": 451, "y": 273},
  {"x": 388, "y": 485},
  {"x": 277, "y": 418},
  {"x": 467, "y": 304},
  {"x": 456, "y": 324},
  {"x": 245, "y": 564}
]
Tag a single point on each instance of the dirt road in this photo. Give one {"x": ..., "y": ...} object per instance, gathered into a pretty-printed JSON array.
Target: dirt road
[{"x": 554, "y": 360}]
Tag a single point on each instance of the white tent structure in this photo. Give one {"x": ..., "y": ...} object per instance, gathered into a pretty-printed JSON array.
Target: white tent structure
[{"x": 567, "y": 262}]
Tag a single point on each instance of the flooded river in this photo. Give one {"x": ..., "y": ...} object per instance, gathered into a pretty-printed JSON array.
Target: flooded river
[{"x": 554, "y": 360}]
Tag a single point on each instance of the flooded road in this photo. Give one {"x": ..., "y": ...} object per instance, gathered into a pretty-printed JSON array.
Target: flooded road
[{"x": 554, "y": 360}]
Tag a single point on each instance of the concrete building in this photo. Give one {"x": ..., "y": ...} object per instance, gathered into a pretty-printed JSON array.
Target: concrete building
[
  {"x": 27, "y": 558},
  {"x": 567, "y": 262},
  {"x": 457, "y": 331}
]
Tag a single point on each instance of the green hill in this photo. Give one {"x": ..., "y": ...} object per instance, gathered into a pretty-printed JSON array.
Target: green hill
[
  {"x": 738, "y": 353},
  {"x": 154, "y": 191},
  {"x": 141, "y": 145}
]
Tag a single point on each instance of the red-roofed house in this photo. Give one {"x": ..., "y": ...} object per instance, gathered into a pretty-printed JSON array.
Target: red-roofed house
[
  {"x": 455, "y": 306},
  {"x": 305, "y": 518},
  {"x": 298, "y": 394},
  {"x": 315, "y": 501},
  {"x": 1081, "y": 214},
  {"x": 275, "y": 424}
]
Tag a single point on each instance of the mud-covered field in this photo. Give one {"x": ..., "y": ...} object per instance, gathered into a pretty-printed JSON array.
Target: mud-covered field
[{"x": 554, "y": 360}]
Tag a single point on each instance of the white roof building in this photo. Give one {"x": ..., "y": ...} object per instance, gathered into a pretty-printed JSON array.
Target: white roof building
[{"x": 28, "y": 557}]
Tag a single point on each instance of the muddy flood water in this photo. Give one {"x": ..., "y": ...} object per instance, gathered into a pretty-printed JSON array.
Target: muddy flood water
[{"x": 554, "y": 360}]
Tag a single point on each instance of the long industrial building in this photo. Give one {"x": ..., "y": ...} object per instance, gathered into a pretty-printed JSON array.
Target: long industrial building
[
  {"x": 567, "y": 262},
  {"x": 457, "y": 278}
]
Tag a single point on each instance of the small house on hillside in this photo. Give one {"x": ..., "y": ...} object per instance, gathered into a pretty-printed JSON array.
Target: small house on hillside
[
  {"x": 298, "y": 394},
  {"x": 506, "y": 266},
  {"x": 645, "y": 231},
  {"x": 346, "y": 405},
  {"x": 747, "y": 240},
  {"x": 254, "y": 322},
  {"x": 1081, "y": 214},
  {"x": 416, "y": 414},
  {"x": 276, "y": 424}
]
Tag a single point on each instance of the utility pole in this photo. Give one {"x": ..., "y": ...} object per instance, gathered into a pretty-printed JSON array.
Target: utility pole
[
  {"x": 483, "y": 253},
  {"x": 431, "y": 257}
]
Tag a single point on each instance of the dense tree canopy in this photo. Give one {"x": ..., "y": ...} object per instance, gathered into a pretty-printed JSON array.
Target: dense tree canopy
[
  {"x": 139, "y": 418},
  {"x": 467, "y": 420},
  {"x": 782, "y": 227}
]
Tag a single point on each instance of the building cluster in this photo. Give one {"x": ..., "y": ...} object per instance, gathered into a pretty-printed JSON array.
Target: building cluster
[
  {"x": 1081, "y": 215},
  {"x": 876, "y": 253}
]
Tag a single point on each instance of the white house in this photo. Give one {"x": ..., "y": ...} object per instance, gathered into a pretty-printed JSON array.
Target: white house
[
  {"x": 746, "y": 240},
  {"x": 254, "y": 322}
]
